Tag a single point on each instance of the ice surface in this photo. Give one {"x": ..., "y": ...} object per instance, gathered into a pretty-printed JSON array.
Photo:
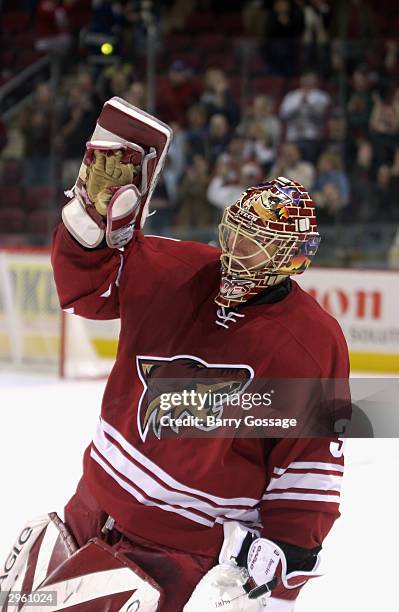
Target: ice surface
[{"x": 45, "y": 424}]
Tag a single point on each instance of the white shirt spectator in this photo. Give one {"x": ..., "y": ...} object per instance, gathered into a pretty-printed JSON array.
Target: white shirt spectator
[
  {"x": 222, "y": 194},
  {"x": 303, "y": 110}
]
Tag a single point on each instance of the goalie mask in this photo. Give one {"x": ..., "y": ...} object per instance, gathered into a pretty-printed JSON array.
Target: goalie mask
[{"x": 268, "y": 234}]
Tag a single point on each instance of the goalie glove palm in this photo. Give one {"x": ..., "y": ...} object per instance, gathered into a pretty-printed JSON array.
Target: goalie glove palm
[{"x": 106, "y": 173}]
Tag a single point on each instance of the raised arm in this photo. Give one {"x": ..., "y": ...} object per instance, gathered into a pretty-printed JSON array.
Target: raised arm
[
  {"x": 108, "y": 202},
  {"x": 86, "y": 279}
]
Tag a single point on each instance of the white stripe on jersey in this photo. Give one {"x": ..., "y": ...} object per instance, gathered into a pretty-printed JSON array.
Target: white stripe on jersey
[
  {"x": 166, "y": 478},
  {"x": 153, "y": 489},
  {"x": 143, "y": 500},
  {"x": 163, "y": 237},
  {"x": 322, "y": 482},
  {"x": 302, "y": 497},
  {"x": 310, "y": 465}
]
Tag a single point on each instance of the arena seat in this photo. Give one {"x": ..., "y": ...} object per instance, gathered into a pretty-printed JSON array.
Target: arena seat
[
  {"x": 11, "y": 172},
  {"x": 11, "y": 220},
  {"x": 37, "y": 197},
  {"x": 10, "y": 197}
]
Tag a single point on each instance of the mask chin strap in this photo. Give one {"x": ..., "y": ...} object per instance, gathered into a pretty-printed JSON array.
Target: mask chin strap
[{"x": 227, "y": 318}]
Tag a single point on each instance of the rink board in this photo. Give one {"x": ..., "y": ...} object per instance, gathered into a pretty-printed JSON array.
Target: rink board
[{"x": 363, "y": 301}]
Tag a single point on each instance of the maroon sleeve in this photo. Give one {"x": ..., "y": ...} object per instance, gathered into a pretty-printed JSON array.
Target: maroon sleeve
[
  {"x": 304, "y": 475},
  {"x": 301, "y": 501},
  {"x": 86, "y": 279}
]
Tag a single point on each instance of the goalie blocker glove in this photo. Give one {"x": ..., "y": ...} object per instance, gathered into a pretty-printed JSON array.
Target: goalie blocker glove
[
  {"x": 254, "y": 574},
  {"x": 120, "y": 169}
]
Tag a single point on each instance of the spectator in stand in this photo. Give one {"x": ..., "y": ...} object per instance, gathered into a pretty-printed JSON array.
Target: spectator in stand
[
  {"x": 360, "y": 104},
  {"x": 115, "y": 80},
  {"x": 304, "y": 110},
  {"x": 165, "y": 212},
  {"x": 284, "y": 29},
  {"x": 335, "y": 138},
  {"x": 354, "y": 25},
  {"x": 3, "y": 136},
  {"x": 52, "y": 26},
  {"x": 289, "y": 163},
  {"x": 317, "y": 18},
  {"x": 362, "y": 180},
  {"x": 393, "y": 253},
  {"x": 106, "y": 25},
  {"x": 43, "y": 98},
  {"x": 78, "y": 118},
  {"x": 386, "y": 194},
  {"x": 133, "y": 36},
  {"x": 136, "y": 94},
  {"x": 196, "y": 131},
  {"x": 177, "y": 94},
  {"x": 166, "y": 196},
  {"x": 36, "y": 127},
  {"x": 221, "y": 192},
  {"x": 217, "y": 96},
  {"x": 262, "y": 112},
  {"x": 232, "y": 159},
  {"x": 84, "y": 79},
  {"x": 391, "y": 56},
  {"x": 217, "y": 139},
  {"x": 175, "y": 163},
  {"x": 15, "y": 146},
  {"x": 331, "y": 188},
  {"x": 195, "y": 210},
  {"x": 384, "y": 128},
  {"x": 259, "y": 146},
  {"x": 175, "y": 14},
  {"x": 254, "y": 16}
]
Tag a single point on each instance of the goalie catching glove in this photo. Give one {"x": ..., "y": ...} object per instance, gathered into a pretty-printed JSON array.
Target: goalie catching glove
[
  {"x": 252, "y": 575},
  {"x": 118, "y": 175}
]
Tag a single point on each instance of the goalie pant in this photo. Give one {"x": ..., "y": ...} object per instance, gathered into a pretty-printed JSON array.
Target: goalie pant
[{"x": 176, "y": 572}]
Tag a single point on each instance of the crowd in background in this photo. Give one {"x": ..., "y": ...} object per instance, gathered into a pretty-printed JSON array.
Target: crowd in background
[{"x": 324, "y": 109}]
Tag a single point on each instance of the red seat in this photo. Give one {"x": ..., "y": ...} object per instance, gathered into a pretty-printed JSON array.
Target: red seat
[
  {"x": 12, "y": 220},
  {"x": 27, "y": 56},
  {"x": 256, "y": 64},
  {"x": 37, "y": 197},
  {"x": 230, "y": 23},
  {"x": 225, "y": 61},
  {"x": 210, "y": 42},
  {"x": 192, "y": 59},
  {"x": 24, "y": 40},
  {"x": 236, "y": 86},
  {"x": 177, "y": 42},
  {"x": 7, "y": 58},
  {"x": 42, "y": 222},
  {"x": 199, "y": 22},
  {"x": 17, "y": 21},
  {"x": 269, "y": 85},
  {"x": 11, "y": 172},
  {"x": 10, "y": 196}
]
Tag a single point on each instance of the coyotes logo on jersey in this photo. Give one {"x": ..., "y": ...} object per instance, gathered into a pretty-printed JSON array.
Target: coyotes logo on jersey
[{"x": 183, "y": 376}]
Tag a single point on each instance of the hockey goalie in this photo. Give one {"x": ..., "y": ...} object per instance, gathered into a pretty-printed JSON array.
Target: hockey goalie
[{"x": 164, "y": 522}]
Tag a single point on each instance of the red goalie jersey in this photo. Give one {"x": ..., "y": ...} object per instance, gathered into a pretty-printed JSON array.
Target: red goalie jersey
[{"x": 179, "y": 491}]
